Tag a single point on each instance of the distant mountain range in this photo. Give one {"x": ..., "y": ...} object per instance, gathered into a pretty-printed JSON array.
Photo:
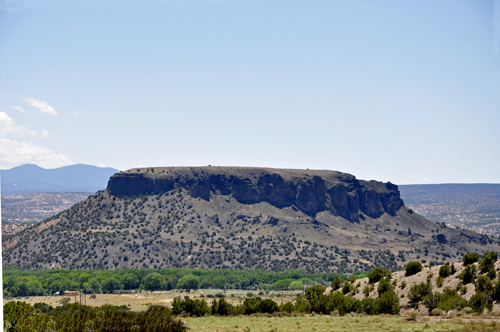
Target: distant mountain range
[{"x": 75, "y": 178}]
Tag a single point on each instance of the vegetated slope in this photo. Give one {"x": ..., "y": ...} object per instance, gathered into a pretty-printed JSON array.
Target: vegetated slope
[
  {"x": 35, "y": 207},
  {"x": 241, "y": 218},
  {"x": 472, "y": 206},
  {"x": 402, "y": 285},
  {"x": 75, "y": 178}
]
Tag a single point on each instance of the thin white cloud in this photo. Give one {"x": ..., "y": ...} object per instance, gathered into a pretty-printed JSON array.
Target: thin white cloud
[
  {"x": 76, "y": 113},
  {"x": 7, "y": 126},
  {"x": 14, "y": 153},
  {"x": 19, "y": 108},
  {"x": 41, "y": 105},
  {"x": 46, "y": 134}
]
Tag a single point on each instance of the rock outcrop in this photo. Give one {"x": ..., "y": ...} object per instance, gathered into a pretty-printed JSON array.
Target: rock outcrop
[{"x": 310, "y": 191}]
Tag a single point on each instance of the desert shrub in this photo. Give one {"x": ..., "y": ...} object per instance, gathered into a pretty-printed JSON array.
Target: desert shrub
[
  {"x": 413, "y": 268},
  {"x": 195, "y": 308},
  {"x": 403, "y": 284},
  {"x": 492, "y": 273},
  {"x": 483, "y": 284},
  {"x": 268, "y": 306},
  {"x": 352, "y": 279},
  {"x": 347, "y": 288},
  {"x": 315, "y": 291},
  {"x": 303, "y": 305},
  {"x": 488, "y": 260},
  {"x": 220, "y": 307},
  {"x": 418, "y": 291},
  {"x": 384, "y": 286},
  {"x": 20, "y": 316},
  {"x": 252, "y": 305},
  {"x": 77, "y": 317},
  {"x": 495, "y": 291},
  {"x": 445, "y": 270},
  {"x": 336, "y": 282},
  {"x": 470, "y": 258},
  {"x": 453, "y": 270},
  {"x": 368, "y": 306},
  {"x": 448, "y": 300},
  {"x": 287, "y": 307},
  {"x": 388, "y": 303},
  {"x": 439, "y": 281},
  {"x": 468, "y": 274},
  {"x": 376, "y": 274},
  {"x": 480, "y": 301},
  {"x": 366, "y": 290}
]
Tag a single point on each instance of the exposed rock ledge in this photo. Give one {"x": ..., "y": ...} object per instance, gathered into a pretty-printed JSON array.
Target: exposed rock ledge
[{"x": 310, "y": 191}]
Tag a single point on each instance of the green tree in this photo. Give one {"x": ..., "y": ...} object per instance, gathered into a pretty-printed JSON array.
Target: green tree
[
  {"x": 376, "y": 274},
  {"x": 153, "y": 281},
  {"x": 188, "y": 282},
  {"x": 488, "y": 261},
  {"x": 470, "y": 258},
  {"x": 413, "y": 268}
]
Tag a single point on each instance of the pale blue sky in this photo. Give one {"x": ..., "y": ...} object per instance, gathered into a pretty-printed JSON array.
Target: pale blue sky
[{"x": 400, "y": 91}]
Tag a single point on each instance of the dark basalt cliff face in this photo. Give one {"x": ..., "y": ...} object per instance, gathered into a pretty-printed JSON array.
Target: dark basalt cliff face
[{"x": 309, "y": 191}]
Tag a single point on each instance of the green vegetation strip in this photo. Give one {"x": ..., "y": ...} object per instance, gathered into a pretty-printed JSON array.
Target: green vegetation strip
[{"x": 18, "y": 282}]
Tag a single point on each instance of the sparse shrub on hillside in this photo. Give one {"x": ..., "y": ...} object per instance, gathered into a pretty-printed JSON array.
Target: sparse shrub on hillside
[
  {"x": 376, "y": 274},
  {"x": 445, "y": 270},
  {"x": 419, "y": 291},
  {"x": 448, "y": 300},
  {"x": 488, "y": 261},
  {"x": 347, "y": 288},
  {"x": 480, "y": 301},
  {"x": 384, "y": 286},
  {"x": 470, "y": 258},
  {"x": 483, "y": 284},
  {"x": 439, "y": 281},
  {"x": 492, "y": 273},
  {"x": 413, "y": 268},
  {"x": 495, "y": 292},
  {"x": 468, "y": 274},
  {"x": 336, "y": 282}
]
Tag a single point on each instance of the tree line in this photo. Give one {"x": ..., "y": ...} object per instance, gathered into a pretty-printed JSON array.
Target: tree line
[{"x": 18, "y": 282}]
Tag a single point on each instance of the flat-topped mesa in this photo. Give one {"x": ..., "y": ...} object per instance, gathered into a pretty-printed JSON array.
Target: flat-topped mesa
[{"x": 310, "y": 191}]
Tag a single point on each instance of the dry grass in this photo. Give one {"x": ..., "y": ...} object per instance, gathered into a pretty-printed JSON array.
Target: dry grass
[
  {"x": 328, "y": 323},
  {"x": 144, "y": 299}
]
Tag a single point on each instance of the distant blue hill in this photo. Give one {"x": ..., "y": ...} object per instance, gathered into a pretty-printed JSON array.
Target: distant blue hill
[{"x": 74, "y": 178}]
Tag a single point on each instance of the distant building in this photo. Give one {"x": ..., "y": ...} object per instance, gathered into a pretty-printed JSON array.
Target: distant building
[{"x": 124, "y": 292}]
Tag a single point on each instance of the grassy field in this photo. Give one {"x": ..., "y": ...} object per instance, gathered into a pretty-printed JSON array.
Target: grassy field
[
  {"x": 144, "y": 299},
  {"x": 328, "y": 323}
]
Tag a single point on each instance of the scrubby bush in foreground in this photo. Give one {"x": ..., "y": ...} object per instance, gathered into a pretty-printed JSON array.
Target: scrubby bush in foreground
[{"x": 413, "y": 268}]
